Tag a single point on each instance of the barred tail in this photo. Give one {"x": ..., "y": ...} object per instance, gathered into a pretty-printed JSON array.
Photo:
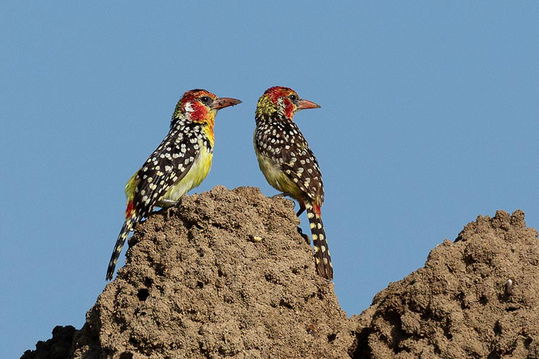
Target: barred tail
[
  {"x": 322, "y": 257},
  {"x": 128, "y": 226}
]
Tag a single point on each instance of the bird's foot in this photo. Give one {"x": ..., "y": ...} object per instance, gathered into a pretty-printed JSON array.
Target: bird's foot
[{"x": 167, "y": 205}]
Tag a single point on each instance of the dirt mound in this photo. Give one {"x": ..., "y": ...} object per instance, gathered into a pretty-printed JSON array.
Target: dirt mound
[
  {"x": 226, "y": 274},
  {"x": 477, "y": 297}
]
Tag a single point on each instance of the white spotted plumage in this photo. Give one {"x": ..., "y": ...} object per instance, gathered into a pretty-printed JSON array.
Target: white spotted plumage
[
  {"x": 289, "y": 165},
  {"x": 180, "y": 162}
]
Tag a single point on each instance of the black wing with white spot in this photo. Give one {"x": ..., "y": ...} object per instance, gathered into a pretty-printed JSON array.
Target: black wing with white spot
[
  {"x": 167, "y": 165},
  {"x": 303, "y": 169},
  {"x": 284, "y": 143}
]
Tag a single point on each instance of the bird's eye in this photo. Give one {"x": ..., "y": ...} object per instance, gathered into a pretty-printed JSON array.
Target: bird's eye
[
  {"x": 293, "y": 97},
  {"x": 206, "y": 100}
]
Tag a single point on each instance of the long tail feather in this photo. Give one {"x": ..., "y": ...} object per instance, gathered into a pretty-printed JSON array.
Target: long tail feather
[
  {"x": 128, "y": 227},
  {"x": 322, "y": 257}
]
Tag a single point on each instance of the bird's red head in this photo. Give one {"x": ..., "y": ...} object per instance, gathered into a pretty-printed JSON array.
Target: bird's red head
[
  {"x": 282, "y": 101},
  {"x": 201, "y": 105}
]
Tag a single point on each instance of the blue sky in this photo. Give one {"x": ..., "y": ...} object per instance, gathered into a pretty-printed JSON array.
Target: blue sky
[{"x": 430, "y": 117}]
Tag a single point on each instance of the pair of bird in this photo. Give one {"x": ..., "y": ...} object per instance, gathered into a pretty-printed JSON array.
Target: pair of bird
[{"x": 184, "y": 157}]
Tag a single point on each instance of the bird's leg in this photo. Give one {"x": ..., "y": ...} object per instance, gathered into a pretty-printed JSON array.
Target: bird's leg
[
  {"x": 167, "y": 204},
  {"x": 301, "y": 209},
  {"x": 298, "y": 213},
  {"x": 304, "y": 236}
]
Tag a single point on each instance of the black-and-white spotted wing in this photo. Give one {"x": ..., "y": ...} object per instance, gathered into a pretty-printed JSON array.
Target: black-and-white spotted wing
[{"x": 166, "y": 166}]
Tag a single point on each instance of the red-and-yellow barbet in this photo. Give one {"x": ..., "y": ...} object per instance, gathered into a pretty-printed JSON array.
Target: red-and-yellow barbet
[
  {"x": 180, "y": 163},
  {"x": 289, "y": 165}
]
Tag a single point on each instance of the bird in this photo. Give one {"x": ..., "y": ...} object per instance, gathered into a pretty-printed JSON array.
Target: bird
[
  {"x": 289, "y": 165},
  {"x": 180, "y": 162}
]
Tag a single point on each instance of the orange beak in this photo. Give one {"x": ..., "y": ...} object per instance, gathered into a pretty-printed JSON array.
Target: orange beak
[
  {"x": 306, "y": 104},
  {"x": 223, "y": 102}
]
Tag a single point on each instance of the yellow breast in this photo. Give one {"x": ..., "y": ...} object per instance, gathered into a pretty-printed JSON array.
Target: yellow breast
[
  {"x": 277, "y": 178},
  {"x": 198, "y": 171}
]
